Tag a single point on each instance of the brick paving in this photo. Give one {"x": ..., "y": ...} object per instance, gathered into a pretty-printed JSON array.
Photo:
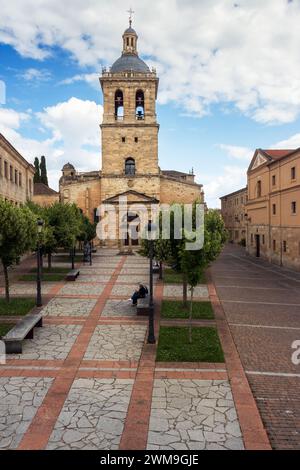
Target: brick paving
[
  {"x": 264, "y": 320},
  {"x": 97, "y": 385}
]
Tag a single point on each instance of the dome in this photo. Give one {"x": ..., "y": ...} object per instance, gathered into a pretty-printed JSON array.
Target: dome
[
  {"x": 68, "y": 166},
  {"x": 128, "y": 63},
  {"x": 130, "y": 30}
]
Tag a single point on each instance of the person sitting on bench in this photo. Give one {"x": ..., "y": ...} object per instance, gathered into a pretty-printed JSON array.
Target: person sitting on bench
[{"x": 139, "y": 294}]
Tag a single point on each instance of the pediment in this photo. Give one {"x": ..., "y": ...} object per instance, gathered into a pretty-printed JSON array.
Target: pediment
[
  {"x": 258, "y": 160},
  {"x": 131, "y": 196}
]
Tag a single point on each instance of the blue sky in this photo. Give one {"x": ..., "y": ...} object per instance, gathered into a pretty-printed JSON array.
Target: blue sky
[{"x": 229, "y": 81}]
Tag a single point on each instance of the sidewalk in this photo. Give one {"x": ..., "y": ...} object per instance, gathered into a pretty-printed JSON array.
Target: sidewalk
[{"x": 88, "y": 379}]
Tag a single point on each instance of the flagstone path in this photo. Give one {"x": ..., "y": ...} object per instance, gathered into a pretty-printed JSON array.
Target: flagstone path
[{"x": 89, "y": 380}]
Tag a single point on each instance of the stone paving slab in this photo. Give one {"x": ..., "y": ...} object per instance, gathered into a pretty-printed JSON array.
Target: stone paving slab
[
  {"x": 176, "y": 291},
  {"x": 118, "y": 308},
  {"x": 28, "y": 288},
  {"x": 20, "y": 398},
  {"x": 136, "y": 278},
  {"x": 60, "y": 307},
  {"x": 193, "y": 415},
  {"x": 93, "y": 415},
  {"x": 76, "y": 288},
  {"x": 137, "y": 270},
  {"x": 49, "y": 342},
  {"x": 91, "y": 270},
  {"x": 120, "y": 290},
  {"x": 94, "y": 278},
  {"x": 116, "y": 342}
]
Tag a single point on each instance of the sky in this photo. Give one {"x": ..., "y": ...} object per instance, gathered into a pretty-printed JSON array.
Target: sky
[{"x": 229, "y": 80}]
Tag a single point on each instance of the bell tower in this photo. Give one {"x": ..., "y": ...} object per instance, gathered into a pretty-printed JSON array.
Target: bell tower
[{"x": 129, "y": 128}]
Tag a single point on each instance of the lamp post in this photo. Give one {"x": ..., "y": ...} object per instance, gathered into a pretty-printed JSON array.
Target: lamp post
[
  {"x": 72, "y": 256},
  {"x": 39, "y": 302},
  {"x": 151, "y": 333}
]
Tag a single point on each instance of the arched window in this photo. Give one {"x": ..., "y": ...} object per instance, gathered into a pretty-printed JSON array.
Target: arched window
[
  {"x": 119, "y": 105},
  {"x": 129, "y": 166},
  {"x": 139, "y": 105}
]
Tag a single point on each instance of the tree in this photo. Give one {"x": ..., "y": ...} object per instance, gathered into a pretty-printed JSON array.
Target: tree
[
  {"x": 18, "y": 234},
  {"x": 87, "y": 230},
  {"x": 192, "y": 263},
  {"x": 43, "y": 171},
  {"x": 37, "y": 176}
]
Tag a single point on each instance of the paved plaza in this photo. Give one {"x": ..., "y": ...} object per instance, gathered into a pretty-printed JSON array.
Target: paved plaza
[
  {"x": 89, "y": 380},
  {"x": 261, "y": 302}
]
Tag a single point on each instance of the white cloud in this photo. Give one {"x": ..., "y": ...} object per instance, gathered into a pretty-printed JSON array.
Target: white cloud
[
  {"x": 231, "y": 179},
  {"x": 73, "y": 129},
  {"x": 237, "y": 152},
  {"x": 206, "y": 52},
  {"x": 33, "y": 74},
  {"x": 292, "y": 142},
  {"x": 90, "y": 78}
]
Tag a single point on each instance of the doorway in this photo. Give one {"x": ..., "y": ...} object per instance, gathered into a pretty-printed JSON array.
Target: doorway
[{"x": 257, "y": 244}]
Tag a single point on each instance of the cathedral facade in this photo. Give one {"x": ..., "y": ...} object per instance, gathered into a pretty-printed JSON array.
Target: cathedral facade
[{"x": 129, "y": 130}]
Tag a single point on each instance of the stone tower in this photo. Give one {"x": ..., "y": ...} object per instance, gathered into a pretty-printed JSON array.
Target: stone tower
[{"x": 129, "y": 128}]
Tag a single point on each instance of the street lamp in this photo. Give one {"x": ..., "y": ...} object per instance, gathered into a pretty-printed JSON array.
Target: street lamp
[
  {"x": 40, "y": 224},
  {"x": 151, "y": 235}
]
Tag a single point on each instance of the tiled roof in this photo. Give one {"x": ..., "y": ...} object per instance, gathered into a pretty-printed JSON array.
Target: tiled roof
[
  {"x": 40, "y": 189},
  {"x": 278, "y": 153}
]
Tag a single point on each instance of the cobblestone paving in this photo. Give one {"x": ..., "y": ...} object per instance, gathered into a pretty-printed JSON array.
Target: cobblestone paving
[
  {"x": 176, "y": 291},
  {"x": 136, "y": 278},
  {"x": 95, "y": 278},
  {"x": 60, "y": 307},
  {"x": 28, "y": 288},
  {"x": 76, "y": 288},
  {"x": 98, "y": 270},
  {"x": 131, "y": 271},
  {"x": 124, "y": 290},
  {"x": 116, "y": 342},
  {"x": 20, "y": 398},
  {"x": 49, "y": 342},
  {"x": 118, "y": 308},
  {"x": 93, "y": 415},
  {"x": 193, "y": 414}
]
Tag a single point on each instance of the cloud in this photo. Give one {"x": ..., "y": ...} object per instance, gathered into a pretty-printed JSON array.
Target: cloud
[
  {"x": 236, "y": 152},
  {"x": 292, "y": 142},
  {"x": 90, "y": 78},
  {"x": 231, "y": 179},
  {"x": 33, "y": 74},
  {"x": 72, "y": 129},
  {"x": 205, "y": 52}
]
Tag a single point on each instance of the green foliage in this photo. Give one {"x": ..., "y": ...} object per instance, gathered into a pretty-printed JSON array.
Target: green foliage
[
  {"x": 176, "y": 309},
  {"x": 18, "y": 234},
  {"x": 87, "y": 230},
  {"x": 43, "y": 171},
  {"x": 174, "y": 345},
  {"x": 5, "y": 328},
  {"x": 16, "y": 306},
  {"x": 37, "y": 175}
]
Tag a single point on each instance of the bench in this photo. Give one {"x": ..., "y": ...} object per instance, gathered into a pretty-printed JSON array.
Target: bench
[
  {"x": 155, "y": 269},
  {"x": 142, "y": 307},
  {"x": 72, "y": 275},
  {"x": 23, "y": 330}
]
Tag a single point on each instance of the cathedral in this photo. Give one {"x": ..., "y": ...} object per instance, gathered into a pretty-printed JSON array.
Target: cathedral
[{"x": 129, "y": 131}]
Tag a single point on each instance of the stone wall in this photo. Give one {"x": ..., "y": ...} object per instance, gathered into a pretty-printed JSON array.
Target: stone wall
[{"x": 16, "y": 174}]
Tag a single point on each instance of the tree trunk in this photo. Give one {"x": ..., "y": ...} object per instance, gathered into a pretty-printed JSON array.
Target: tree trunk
[
  {"x": 191, "y": 315},
  {"x": 184, "y": 291},
  {"x": 49, "y": 261},
  {"x": 160, "y": 270},
  {"x": 6, "y": 282}
]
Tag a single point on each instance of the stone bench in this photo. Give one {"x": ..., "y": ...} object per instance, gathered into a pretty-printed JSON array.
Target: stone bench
[
  {"x": 142, "y": 307},
  {"x": 23, "y": 330},
  {"x": 72, "y": 275}
]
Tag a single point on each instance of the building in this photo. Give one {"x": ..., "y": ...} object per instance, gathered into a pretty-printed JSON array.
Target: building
[
  {"x": 233, "y": 213},
  {"x": 43, "y": 195},
  {"x": 129, "y": 131},
  {"x": 16, "y": 174},
  {"x": 273, "y": 207}
]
